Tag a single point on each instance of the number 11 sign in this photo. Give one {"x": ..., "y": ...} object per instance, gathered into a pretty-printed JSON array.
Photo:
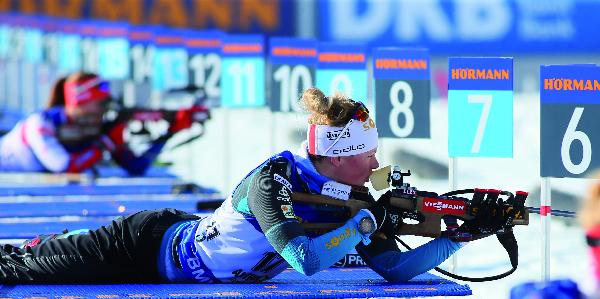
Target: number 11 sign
[
  {"x": 480, "y": 107},
  {"x": 569, "y": 96}
]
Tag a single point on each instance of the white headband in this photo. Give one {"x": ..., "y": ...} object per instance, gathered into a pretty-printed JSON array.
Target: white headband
[{"x": 355, "y": 138}]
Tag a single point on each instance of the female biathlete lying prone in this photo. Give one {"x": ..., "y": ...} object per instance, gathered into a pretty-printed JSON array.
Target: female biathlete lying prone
[
  {"x": 257, "y": 231},
  {"x": 70, "y": 136}
]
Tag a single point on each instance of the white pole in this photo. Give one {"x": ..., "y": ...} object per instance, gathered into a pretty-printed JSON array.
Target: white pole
[
  {"x": 452, "y": 184},
  {"x": 273, "y": 131},
  {"x": 545, "y": 208},
  {"x": 226, "y": 151}
]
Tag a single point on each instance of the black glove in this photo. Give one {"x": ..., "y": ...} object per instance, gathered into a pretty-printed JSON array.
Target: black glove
[
  {"x": 490, "y": 217},
  {"x": 387, "y": 216}
]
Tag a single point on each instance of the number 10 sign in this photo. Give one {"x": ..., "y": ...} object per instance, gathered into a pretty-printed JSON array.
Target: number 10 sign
[
  {"x": 480, "y": 107},
  {"x": 569, "y": 96}
]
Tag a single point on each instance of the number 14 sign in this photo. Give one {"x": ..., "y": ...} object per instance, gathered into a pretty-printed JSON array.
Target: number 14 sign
[
  {"x": 569, "y": 96},
  {"x": 480, "y": 107}
]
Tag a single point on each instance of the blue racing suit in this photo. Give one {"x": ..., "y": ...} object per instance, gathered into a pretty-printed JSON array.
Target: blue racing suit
[{"x": 257, "y": 233}]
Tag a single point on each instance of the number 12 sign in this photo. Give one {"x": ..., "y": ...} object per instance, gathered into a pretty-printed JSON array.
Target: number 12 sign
[
  {"x": 569, "y": 96},
  {"x": 480, "y": 107}
]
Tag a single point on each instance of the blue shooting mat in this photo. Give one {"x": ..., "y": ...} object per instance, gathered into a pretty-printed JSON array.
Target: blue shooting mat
[
  {"x": 98, "y": 205},
  {"x": 62, "y": 190},
  {"x": 329, "y": 283}
]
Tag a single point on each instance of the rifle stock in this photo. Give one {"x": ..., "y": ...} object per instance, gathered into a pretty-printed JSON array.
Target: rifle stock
[{"x": 429, "y": 210}]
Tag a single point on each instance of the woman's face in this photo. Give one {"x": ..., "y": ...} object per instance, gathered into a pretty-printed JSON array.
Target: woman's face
[
  {"x": 355, "y": 170},
  {"x": 88, "y": 114}
]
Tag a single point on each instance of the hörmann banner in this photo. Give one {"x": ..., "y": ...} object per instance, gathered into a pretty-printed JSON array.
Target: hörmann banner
[{"x": 273, "y": 17}]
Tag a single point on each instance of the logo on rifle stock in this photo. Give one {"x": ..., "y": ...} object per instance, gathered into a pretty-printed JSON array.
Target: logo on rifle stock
[{"x": 444, "y": 206}]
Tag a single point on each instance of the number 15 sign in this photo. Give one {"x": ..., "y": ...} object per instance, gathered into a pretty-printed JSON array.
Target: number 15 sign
[
  {"x": 480, "y": 107},
  {"x": 569, "y": 96}
]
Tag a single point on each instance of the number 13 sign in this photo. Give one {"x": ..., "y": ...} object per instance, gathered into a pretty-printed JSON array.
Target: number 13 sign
[
  {"x": 480, "y": 107},
  {"x": 569, "y": 96}
]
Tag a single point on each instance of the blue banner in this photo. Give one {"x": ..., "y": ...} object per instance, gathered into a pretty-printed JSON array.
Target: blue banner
[
  {"x": 570, "y": 84},
  {"x": 480, "y": 73},
  {"x": 407, "y": 64},
  {"x": 283, "y": 50},
  {"x": 342, "y": 56},
  {"x": 482, "y": 27}
]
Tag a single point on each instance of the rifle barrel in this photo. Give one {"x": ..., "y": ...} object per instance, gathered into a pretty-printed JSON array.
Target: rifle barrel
[{"x": 561, "y": 213}]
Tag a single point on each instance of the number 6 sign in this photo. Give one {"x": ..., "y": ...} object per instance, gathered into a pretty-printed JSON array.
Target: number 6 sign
[
  {"x": 480, "y": 107},
  {"x": 569, "y": 96}
]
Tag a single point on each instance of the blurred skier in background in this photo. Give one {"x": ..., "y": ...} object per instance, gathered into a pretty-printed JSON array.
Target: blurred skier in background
[{"x": 70, "y": 135}]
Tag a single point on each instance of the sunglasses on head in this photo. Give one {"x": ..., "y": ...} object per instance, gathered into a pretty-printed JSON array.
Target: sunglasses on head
[{"x": 361, "y": 113}]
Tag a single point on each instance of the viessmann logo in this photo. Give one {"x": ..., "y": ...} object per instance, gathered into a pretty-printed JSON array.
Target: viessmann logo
[{"x": 446, "y": 206}]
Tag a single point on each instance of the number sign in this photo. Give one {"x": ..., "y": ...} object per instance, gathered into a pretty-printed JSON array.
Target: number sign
[
  {"x": 204, "y": 60},
  {"x": 342, "y": 68},
  {"x": 30, "y": 65},
  {"x": 293, "y": 64},
  {"x": 569, "y": 96},
  {"x": 69, "y": 47},
  {"x": 89, "y": 31},
  {"x": 137, "y": 89},
  {"x": 402, "y": 92},
  {"x": 243, "y": 71},
  {"x": 480, "y": 107},
  {"x": 113, "y": 51},
  {"x": 169, "y": 63}
]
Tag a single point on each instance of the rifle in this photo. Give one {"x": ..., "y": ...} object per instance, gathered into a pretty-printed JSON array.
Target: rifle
[
  {"x": 422, "y": 212},
  {"x": 118, "y": 114},
  {"x": 426, "y": 208}
]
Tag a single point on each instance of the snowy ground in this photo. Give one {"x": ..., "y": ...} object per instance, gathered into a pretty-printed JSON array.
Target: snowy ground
[{"x": 236, "y": 141}]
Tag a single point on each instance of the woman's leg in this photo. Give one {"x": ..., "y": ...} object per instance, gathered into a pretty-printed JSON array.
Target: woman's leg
[{"x": 123, "y": 251}]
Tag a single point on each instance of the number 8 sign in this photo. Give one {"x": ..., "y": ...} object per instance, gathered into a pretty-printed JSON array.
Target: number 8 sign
[
  {"x": 402, "y": 92},
  {"x": 480, "y": 107},
  {"x": 569, "y": 109}
]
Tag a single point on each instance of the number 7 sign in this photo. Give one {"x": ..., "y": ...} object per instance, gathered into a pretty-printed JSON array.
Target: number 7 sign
[{"x": 480, "y": 107}]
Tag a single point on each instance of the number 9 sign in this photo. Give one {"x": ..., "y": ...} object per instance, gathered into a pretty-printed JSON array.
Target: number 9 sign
[
  {"x": 402, "y": 92},
  {"x": 569, "y": 123},
  {"x": 480, "y": 107},
  {"x": 342, "y": 68}
]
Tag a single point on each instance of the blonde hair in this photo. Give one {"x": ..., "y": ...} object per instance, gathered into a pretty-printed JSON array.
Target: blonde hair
[{"x": 335, "y": 111}]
